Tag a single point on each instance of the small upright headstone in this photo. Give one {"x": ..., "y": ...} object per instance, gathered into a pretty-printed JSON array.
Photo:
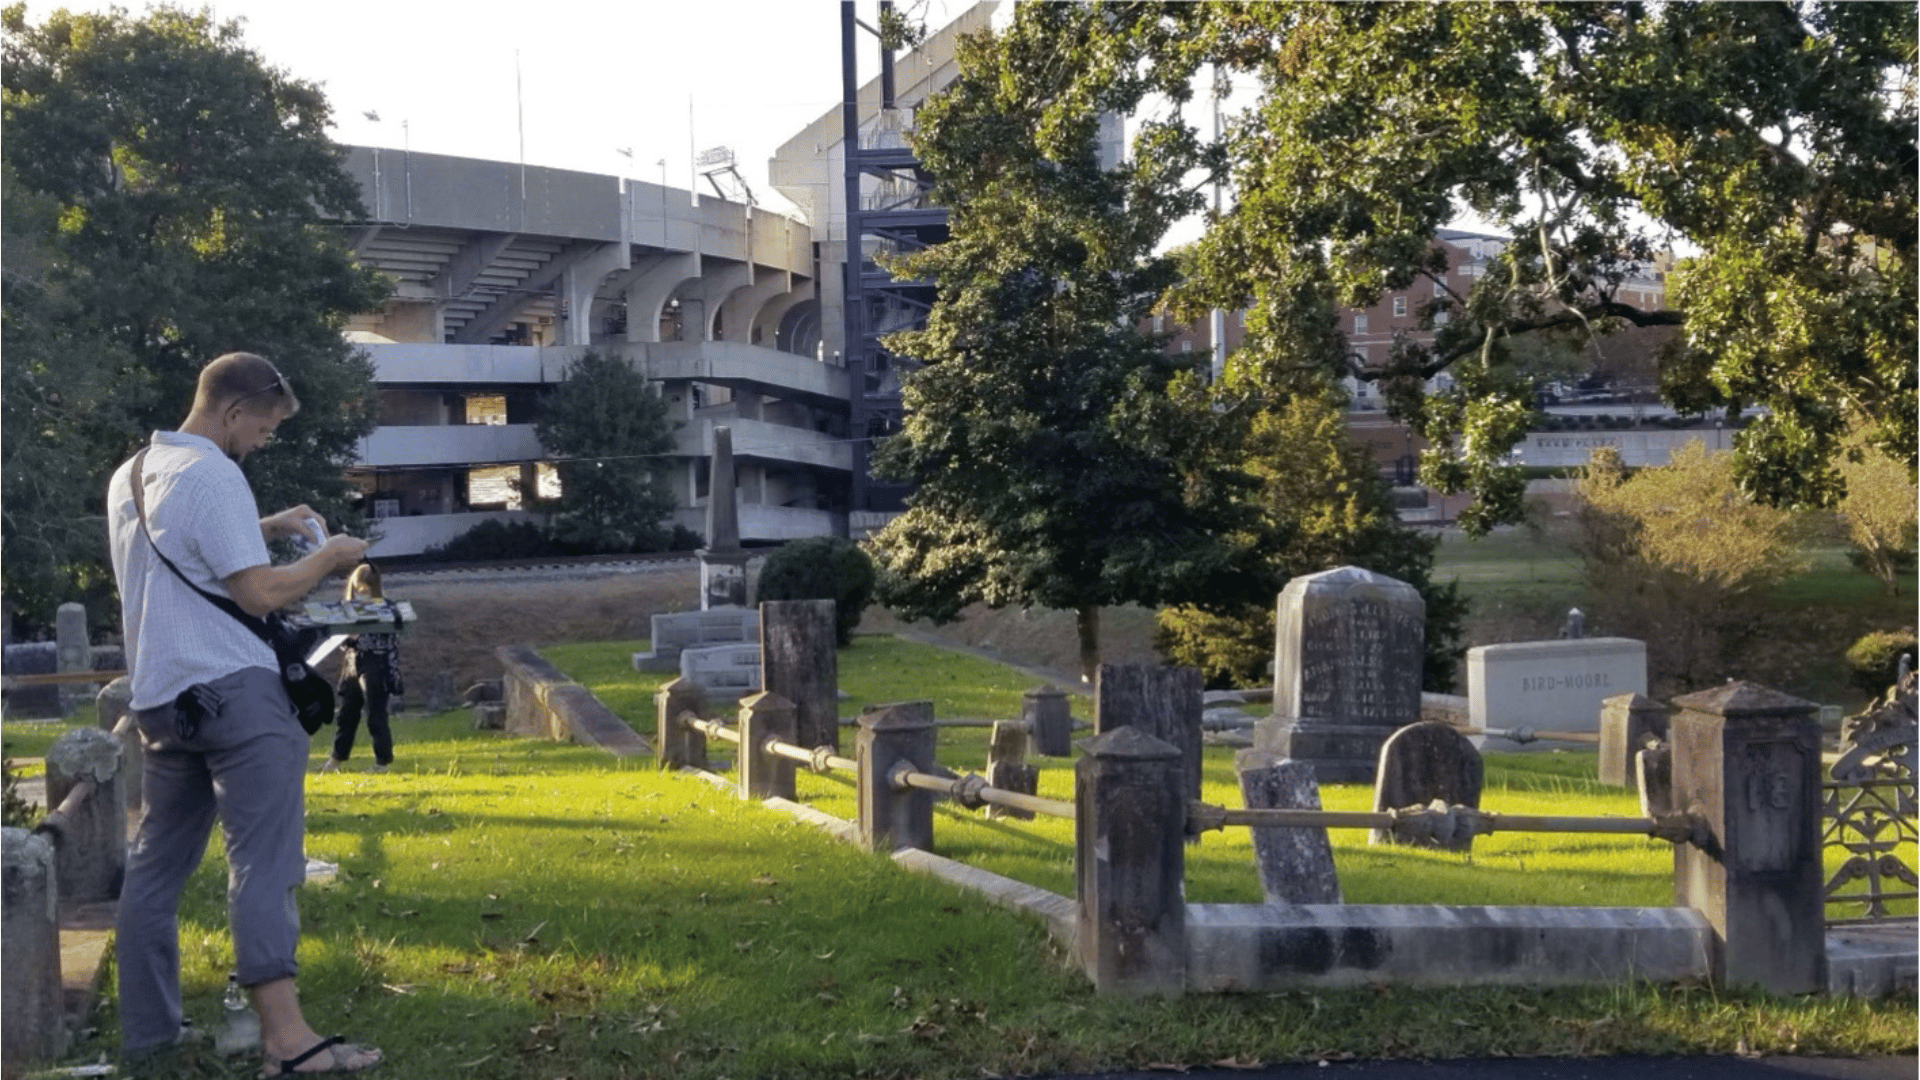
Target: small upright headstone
[
  {"x": 1628, "y": 722},
  {"x": 1007, "y": 767},
  {"x": 723, "y": 563},
  {"x": 1348, "y": 649},
  {"x": 1421, "y": 763},
  {"x": 75, "y": 651},
  {"x": 798, "y": 661},
  {"x": 1160, "y": 701},
  {"x": 1046, "y": 711},
  {"x": 1296, "y": 865},
  {"x": 1576, "y": 625}
]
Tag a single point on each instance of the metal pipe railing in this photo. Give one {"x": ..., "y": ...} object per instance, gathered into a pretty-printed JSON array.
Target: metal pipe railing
[
  {"x": 1524, "y": 734},
  {"x": 820, "y": 759},
  {"x": 1443, "y": 822},
  {"x": 710, "y": 728},
  {"x": 55, "y": 823},
  {"x": 973, "y": 792}
]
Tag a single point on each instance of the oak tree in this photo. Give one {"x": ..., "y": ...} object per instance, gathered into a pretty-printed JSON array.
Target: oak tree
[{"x": 169, "y": 197}]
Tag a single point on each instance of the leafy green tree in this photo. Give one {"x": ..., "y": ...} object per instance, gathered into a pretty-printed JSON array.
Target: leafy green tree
[
  {"x": 168, "y": 197},
  {"x": 1322, "y": 504},
  {"x": 1880, "y": 512},
  {"x": 609, "y": 428},
  {"x": 1771, "y": 143},
  {"x": 1057, "y": 451},
  {"x": 1677, "y": 555}
]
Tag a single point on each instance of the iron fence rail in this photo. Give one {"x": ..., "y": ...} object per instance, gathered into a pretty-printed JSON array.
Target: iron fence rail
[
  {"x": 973, "y": 791},
  {"x": 1442, "y": 821}
]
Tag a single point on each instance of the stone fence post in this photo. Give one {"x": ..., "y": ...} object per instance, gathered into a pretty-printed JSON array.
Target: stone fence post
[
  {"x": 765, "y": 717},
  {"x": 1130, "y": 814},
  {"x": 894, "y": 737},
  {"x": 798, "y": 662},
  {"x": 675, "y": 744},
  {"x": 91, "y": 839},
  {"x": 1049, "y": 717},
  {"x": 30, "y": 989},
  {"x": 1747, "y": 760}
]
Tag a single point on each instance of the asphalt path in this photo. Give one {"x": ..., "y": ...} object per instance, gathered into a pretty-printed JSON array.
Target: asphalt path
[{"x": 1609, "y": 1068}]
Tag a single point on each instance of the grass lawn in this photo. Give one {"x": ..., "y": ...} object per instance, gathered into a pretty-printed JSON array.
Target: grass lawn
[{"x": 509, "y": 908}]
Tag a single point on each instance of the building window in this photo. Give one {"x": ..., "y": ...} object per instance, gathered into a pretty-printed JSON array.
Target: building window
[
  {"x": 1399, "y": 307},
  {"x": 1359, "y": 324},
  {"x": 496, "y": 487},
  {"x": 1159, "y": 324},
  {"x": 487, "y": 409},
  {"x": 547, "y": 481},
  {"x": 1186, "y": 346},
  {"x": 1439, "y": 288}
]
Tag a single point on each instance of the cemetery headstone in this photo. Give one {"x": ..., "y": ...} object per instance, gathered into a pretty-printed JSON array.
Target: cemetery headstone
[
  {"x": 799, "y": 662},
  {"x": 114, "y": 701},
  {"x": 1007, "y": 766},
  {"x": 1046, "y": 711},
  {"x": 722, "y": 671},
  {"x": 1160, "y": 701},
  {"x": 675, "y": 632},
  {"x": 75, "y": 652},
  {"x": 1552, "y": 685},
  {"x": 723, "y": 563},
  {"x": 1296, "y": 865},
  {"x": 1627, "y": 723},
  {"x": 1348, "y": 649},
  {"x": 1422, "y": 763}
]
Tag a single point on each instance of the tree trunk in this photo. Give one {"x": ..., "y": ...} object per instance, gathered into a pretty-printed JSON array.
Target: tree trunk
[{"x": 1087, "y": 620}]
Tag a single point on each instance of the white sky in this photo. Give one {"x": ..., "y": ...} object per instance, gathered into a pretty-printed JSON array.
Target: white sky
[{"x": 594, "y": 75}]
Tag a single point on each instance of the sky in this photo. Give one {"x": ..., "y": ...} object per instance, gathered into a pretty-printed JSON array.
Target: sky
[{"x": 579, "y": 79}]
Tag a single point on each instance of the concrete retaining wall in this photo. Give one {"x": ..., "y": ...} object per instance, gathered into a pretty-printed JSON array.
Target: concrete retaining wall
[
  {"x": 1256, "y": 947},
  {"x": 542, "y": 703}
]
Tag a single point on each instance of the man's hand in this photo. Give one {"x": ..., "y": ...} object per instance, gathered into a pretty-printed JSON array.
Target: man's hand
[
  {"x": 264, "y": 588},
  {"x": 293, "y": 523},
  {"x": 344, "y": 551}
]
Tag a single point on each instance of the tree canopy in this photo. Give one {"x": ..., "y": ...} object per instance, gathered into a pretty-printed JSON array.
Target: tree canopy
[
  {"x": 1056, "y": 449},
  {"x": 1769, "y": 148},
  {"x": 609, "y": 430},
  {"x": 169, "y": 197}
]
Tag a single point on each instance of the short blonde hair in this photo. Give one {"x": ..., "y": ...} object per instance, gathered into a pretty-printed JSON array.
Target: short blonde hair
[
  {"x": 243, "y": 379},
  {"x": 367, "y": 576}
]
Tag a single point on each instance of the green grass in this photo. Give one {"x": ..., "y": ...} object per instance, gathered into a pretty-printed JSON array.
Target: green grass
[
  {"x": 509, "y": 908},
  {"x": 874, "y": 670}
]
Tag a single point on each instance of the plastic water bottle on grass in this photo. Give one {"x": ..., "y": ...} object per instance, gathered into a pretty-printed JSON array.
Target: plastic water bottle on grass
[{"x": 240, "y": 1026}]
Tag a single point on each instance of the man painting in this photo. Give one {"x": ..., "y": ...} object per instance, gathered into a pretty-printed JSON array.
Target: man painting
[{"x": 221, "y": 737}]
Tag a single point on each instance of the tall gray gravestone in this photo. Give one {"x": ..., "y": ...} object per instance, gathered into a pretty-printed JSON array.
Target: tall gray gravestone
[
  {"x": 1348, "y": 648},
  {"x": 723, "y": 563}
]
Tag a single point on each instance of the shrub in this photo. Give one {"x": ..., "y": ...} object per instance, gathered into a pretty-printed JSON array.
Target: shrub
[
  {"x": 1231, "y": 651},
  {"x": 822, "y": 568},
  {"x": 15, "y": 810},
  {"x": 495, "y": 539},
  {"x": 1873, "y": 661}
]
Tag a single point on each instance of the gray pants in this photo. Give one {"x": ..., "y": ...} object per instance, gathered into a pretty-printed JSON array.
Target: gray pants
[{"x": 246, "y": 765}]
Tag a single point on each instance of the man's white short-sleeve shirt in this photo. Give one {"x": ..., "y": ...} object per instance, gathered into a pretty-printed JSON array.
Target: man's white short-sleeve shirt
[{"x": 202, "y": 514}]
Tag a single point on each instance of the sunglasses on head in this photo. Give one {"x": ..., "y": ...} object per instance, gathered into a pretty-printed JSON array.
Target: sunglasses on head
[{"x": 277, "y": 386}]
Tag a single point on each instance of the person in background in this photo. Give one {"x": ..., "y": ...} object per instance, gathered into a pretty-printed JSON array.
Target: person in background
[{"x": 369, "y": 678}]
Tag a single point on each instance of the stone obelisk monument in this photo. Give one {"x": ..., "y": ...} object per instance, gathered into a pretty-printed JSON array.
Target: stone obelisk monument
[{"x": 723, "y": 562}]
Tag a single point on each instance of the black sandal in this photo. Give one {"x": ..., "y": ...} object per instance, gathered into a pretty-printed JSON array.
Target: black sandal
[{"x": 341, "y": 1049}]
